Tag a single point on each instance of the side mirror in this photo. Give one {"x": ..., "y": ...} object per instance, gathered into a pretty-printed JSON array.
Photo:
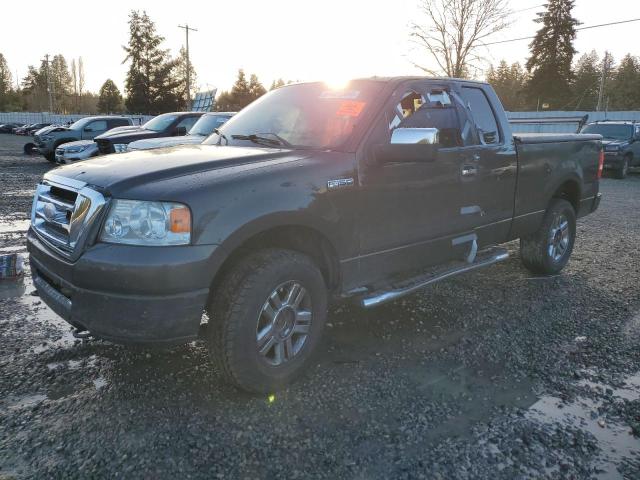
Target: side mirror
[
  {"x": 180, "y": 131},
  {"x": 409, "y": 145},
  {"x": 412, "y": 136},
  {"x": 88, "y": 129}
]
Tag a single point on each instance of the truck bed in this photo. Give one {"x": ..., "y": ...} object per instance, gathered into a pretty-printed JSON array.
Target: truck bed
[{"x": 543, "y": 161}]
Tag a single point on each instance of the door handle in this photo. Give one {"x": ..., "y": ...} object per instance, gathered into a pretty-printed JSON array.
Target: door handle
[{"x": 469, "y": 170}]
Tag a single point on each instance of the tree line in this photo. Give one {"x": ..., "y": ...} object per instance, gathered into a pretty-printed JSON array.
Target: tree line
[
  {"x": 550, "y": 79},
  {"x": 155, "y": 82}
]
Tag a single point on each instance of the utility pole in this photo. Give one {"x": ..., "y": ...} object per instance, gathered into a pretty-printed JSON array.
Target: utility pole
[
  {"x": 186, "y": 31},
  {"x": 49, "y": 88},
  {"x": 606, "y": 65}
]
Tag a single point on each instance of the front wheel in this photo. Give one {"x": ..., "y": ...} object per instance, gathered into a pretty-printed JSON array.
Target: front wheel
[
  {"x": 547, "y": 251},
  {"x": 266, "y": 319},
  {"x": 623, "y": 170}
]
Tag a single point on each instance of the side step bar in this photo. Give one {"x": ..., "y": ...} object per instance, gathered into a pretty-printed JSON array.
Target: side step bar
[{"x": 379, "y": 297}]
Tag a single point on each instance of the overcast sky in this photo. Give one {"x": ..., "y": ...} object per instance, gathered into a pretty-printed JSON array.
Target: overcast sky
[{"x": 292, "y": 39}]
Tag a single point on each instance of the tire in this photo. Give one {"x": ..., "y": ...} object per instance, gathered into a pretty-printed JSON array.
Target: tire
[
  {"x": 537, "y": 251},
  {"x": 241, "y": 310},
  {"x": 50, "y": 156},
  {"x": 621, "y": 172}
]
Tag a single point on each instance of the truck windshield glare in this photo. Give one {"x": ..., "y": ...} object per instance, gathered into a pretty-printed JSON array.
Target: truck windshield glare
[{"x": 304, "y": 116}]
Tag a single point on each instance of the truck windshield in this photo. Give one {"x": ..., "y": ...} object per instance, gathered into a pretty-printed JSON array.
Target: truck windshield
[
  {"x": 610, "y": 131},
  {"x": 207, "y": 124},
  {"x": 309, "y": 115},
  {"x": 160, "y": 123}
]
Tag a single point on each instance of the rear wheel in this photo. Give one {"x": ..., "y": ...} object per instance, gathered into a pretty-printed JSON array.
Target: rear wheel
[
  {"x": 623, "y": 170},
  {"x": 50, "y": 156},
  {"x": 547, "y": 251},
  {"x": 266, "y": 319}
]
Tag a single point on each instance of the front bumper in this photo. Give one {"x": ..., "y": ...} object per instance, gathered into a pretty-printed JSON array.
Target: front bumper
[
  {"x": 613, "y": 160},
  {"x": 125, "y": 294}
]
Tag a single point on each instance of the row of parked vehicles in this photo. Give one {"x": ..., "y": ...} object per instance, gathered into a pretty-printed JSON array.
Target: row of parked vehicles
[
  {"x": 102, "y": 135},
  {"x": 18, "y": 128}
]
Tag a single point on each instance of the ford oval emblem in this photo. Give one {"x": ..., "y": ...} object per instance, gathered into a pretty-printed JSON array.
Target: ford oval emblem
[{"x": 49, "y": 211}]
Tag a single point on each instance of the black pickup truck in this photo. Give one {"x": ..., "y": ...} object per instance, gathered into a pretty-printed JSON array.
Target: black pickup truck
[{"x": 307, "y": 196}]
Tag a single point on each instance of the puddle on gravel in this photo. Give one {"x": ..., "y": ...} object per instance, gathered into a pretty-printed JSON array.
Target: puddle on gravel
[
  {"x": 40, "y": 313},
  {"x": 614, "y": 438},
  {"x": 26, "y": 401}
]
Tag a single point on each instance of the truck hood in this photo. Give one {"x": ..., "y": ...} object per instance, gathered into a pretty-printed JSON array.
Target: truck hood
[
  {"x": 151, "y": 143},
  {"x": 128, "y": 133},
  {"x": 52, "y": 129},
  {"x": 116, "y": 173}
]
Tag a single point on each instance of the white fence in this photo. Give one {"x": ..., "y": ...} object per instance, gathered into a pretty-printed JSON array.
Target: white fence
[
  {"x": 45, "y": 117},
  {"x": 560, "y": 121}
]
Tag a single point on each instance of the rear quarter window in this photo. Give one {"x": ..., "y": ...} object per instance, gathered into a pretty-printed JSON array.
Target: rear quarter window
[{"x": 483, "y": 115}]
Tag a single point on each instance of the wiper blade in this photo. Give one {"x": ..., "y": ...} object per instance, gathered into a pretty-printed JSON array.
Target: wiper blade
[
  {"x": 221, "y": 135},
  {"x": 260, "y": 138}
]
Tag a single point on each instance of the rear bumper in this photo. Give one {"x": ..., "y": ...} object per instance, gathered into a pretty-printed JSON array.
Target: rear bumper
[{"x": 124, "y": 301}]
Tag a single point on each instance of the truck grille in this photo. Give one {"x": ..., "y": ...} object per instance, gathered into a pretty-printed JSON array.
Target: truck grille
[
  {"x": 63, "y": 212},
  {"x": 104, "y": 146}
]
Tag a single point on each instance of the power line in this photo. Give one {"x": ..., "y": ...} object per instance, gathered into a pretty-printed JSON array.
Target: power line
[
  {"x": 527, "y": 9},
  {"x": 580, "y": 28}
]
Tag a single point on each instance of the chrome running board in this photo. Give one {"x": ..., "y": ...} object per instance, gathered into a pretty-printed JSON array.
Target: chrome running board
[{"x": 483, "y": 259}]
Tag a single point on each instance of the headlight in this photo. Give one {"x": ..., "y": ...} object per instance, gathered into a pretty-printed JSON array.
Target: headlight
[
  {"x": 120, "y": 147},
  {"x": 611, "y": 148},
  {"x": 76, "y": 149},
  {"x": 134, "y": 222}
]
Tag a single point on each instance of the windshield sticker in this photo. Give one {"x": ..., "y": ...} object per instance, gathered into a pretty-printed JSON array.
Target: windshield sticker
[
  {"x": 342, "y": 95},
  {"x": 350, "y": 108}
]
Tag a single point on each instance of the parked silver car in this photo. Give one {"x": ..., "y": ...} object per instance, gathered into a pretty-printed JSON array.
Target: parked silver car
[
  {"x": 75, "y": 151},
  {"x": 204, "y": 127}
]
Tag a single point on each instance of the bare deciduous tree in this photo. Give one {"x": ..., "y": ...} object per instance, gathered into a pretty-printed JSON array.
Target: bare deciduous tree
[{"x": 455, "y": 31}]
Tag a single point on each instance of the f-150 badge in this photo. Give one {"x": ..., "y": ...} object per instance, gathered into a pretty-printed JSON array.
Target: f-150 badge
[{"x": 339, "y": 182}]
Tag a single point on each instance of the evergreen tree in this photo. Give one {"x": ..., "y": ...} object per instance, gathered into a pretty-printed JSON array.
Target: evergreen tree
[
  {"x": 150, "y": 84},
  {"x": 34, "y": 88},
  {"x": 110, "y": 100},
  {"x": 586, "y": 82},
  {"x": 509, "y": 83},
  {"x": 61, "y": 83},
  {"x": 5, "y": 76},
  {"x": 181, "y": 78},
  {"x": 277, "y": 84},
  {"x": 552, "y": 54},
  {"x": 224, "y": 102},
  {"x": 625, "y": 86},
  {"x": 256, "y": 89},
  {"x": 240, "y": 95},
  {"x": 9, "y": 97}
]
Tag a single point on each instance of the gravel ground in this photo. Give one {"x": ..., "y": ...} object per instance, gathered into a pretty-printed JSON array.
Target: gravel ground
[{"x": 496, "y": 375}]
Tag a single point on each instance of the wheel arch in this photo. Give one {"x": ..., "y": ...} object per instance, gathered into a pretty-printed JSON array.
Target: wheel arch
[
  {"x": 570, "y": 191},
  {"x": 300, "y": 237}
]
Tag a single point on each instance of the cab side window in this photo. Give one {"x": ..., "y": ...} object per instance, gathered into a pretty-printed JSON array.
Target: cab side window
[
  {"x": 476, "y": 101},
  {"x": 98, "y": 126},
  {"x": 187, "y": 122},
  {"x": 432, "y": 110},
  {"x": 118, "y": 122}
]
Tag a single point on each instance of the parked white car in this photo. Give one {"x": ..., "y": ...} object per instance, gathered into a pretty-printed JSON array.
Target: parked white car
[
  {"x": 204, "y": 127},
  {"x": 76, "y": 151}
]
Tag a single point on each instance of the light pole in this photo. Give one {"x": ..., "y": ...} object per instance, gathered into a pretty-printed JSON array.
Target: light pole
[{"x": 186, "y": 30}]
